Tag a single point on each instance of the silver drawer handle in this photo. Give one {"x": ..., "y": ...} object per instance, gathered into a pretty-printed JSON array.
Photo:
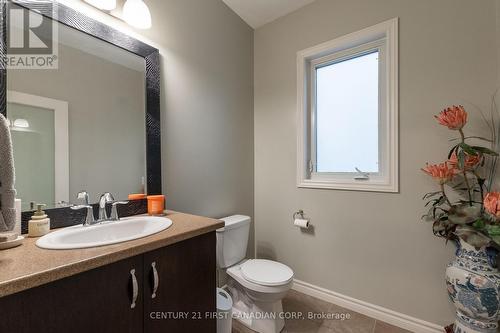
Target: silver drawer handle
[
  {"x": 156, "y": 280},
  {"x": 135, "y": 288}
]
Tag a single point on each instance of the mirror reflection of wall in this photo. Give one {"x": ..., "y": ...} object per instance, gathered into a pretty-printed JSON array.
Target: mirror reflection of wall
[
  {"x": 103, "y": 87},
  {"x": 33, "y": 141}
]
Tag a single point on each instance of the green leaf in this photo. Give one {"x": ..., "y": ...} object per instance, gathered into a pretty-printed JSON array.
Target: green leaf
[
  {"x": 452, "y": 150},
  {"x": 430, "y": 195},
  {"x": 484, "y": 150},
  {"x": 493, "y": 230},
  {"x": 479, "y": 224},
  {"x": 468, "y": 149},
  {"x": 436, "y": 202},
  {"x": 496, "y": 239}
]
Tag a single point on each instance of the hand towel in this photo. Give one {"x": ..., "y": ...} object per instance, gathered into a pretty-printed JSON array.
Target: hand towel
[{"x": 7, "y": 179}]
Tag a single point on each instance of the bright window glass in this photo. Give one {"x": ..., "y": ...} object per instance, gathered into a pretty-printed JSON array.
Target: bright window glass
[{"x": 347, "y": 115}]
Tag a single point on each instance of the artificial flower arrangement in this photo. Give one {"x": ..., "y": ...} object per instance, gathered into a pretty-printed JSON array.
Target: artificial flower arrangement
[{"x": 470, "y": 172}]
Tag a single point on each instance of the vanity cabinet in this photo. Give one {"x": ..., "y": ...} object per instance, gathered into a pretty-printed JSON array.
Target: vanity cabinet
[
  {"x": 185, "y": 294},
  {"x": 179, "y": 278}
]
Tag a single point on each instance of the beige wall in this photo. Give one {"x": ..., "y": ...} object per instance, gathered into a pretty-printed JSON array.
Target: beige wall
[
  {"x": 207, "y": 67},
  {"x": 206, "y": 101},
  {"x": 370, "y": 246}
]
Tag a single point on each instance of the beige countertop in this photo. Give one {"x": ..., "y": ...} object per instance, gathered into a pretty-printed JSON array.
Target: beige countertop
[{"x": 28, "y": 266}]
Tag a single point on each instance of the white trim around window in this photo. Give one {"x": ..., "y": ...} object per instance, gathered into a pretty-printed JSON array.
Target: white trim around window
[{"x": 381, "y": 38}]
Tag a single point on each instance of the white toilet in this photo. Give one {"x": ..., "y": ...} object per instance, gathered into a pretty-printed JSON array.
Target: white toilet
[{"x": 257, "y": 286}]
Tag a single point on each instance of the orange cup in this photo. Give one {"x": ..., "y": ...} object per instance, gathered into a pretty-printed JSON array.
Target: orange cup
[
  {"x": 156, "y": 204},
  {"x": 137, "y": 196}
]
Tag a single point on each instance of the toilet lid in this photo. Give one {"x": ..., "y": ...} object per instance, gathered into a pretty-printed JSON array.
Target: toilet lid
[{"x": 266, "y": 272}]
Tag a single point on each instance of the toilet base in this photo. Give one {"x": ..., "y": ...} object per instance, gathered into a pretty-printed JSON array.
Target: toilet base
[{"x": 262, "y": 317}]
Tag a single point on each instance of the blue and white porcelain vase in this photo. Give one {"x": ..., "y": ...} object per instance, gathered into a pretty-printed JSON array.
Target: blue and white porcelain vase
[{"x": 473, "y": 286}]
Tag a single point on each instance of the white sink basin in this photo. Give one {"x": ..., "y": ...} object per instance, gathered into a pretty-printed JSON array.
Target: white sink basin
[{"x": 79, "y": 237}]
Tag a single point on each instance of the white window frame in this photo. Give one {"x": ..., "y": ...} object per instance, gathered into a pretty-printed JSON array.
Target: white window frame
[{"x": 383, "y": 38}]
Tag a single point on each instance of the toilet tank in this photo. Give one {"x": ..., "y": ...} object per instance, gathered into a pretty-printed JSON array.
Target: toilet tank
[{"x": 232, "y": 240}]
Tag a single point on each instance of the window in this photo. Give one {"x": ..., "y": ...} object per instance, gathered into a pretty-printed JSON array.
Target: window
[
  {"x": 347, "y": 93},
  {"x": 347, "y": 112}
]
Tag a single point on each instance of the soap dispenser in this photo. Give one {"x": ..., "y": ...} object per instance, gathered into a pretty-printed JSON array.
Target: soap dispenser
[{"x": 39, "y": 224}]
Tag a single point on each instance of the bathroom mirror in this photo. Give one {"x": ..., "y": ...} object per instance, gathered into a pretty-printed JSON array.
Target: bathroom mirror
[{"x": 91, "y": 122}]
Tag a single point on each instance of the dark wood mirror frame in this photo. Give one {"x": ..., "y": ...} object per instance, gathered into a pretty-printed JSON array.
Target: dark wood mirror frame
[{"x": 61, "y": 217}]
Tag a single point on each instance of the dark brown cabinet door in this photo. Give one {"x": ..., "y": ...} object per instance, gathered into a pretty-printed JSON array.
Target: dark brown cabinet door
[
  {"x": 186, "y": 282},
  {"x": 95, "y": 301}
]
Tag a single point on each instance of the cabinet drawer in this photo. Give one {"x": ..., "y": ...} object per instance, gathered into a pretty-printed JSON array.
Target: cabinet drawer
[{"x": 95, "y": 301}]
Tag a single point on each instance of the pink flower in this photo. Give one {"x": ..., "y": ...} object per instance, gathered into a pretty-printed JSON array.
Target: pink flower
[
  {"x": 491, "y": 202},
  {"x": 442, "y": 172},
  {"x": 470, "y": 161},
  {"x": 453, "y": 117}
]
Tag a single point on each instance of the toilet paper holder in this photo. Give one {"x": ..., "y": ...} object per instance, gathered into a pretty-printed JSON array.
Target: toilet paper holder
[
  {"x": 298, "y": 213},
  {"x": 300, "y": 221}
]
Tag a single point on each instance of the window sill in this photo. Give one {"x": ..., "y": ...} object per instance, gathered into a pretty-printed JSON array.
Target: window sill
[{"x": 368, "y": 186}]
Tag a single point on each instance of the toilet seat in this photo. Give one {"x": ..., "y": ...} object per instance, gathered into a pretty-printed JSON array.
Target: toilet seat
[{"x": 266, "y": 272}]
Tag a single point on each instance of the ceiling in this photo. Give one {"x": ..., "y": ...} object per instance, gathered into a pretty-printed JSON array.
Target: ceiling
[{"x": 259, "y": 12}]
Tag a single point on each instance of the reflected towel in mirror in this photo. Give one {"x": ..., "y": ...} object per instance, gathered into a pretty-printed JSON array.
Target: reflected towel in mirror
[{"x": 7, "y": 178}]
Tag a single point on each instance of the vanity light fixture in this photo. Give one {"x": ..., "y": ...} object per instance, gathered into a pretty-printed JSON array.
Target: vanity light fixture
[
  {"x": 137, "y": 14},
  {"x": 102, "y": 4},
  {"x": 134, "y": 12}
]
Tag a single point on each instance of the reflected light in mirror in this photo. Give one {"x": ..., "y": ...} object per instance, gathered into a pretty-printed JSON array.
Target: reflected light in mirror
[
  {"x": 137, "y": 14},
  {"x": 102, "y": 4},
  {"x": 21, "y": 123}
]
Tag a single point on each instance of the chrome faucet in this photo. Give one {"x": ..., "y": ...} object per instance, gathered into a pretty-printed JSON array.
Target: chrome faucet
[
  {"x": 114, "y": 210},
  {"x": 89, "y": 219},
  {"x": 105, "y": 199}
]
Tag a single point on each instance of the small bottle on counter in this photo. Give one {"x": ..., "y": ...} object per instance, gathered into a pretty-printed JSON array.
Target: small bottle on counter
[{"x": 39, "y": 224}]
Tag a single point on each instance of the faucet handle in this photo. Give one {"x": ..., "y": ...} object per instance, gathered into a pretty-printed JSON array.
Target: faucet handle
[
  {"x": 89, "y": 218},
  {"x": 114, "y": 210},
  {"x": 105, "y": 199},
  {"x": 83, "y": 195}
]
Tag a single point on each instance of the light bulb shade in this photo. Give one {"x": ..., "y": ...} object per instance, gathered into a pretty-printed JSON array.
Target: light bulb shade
[
  {"x": 136, "y": 13},
  {"x": 21, "y": 123},
  {"x": 102, "y": 4}
]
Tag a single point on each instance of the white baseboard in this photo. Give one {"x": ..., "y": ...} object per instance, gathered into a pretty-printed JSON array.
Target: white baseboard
[{"x": 374, "y": 311}]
